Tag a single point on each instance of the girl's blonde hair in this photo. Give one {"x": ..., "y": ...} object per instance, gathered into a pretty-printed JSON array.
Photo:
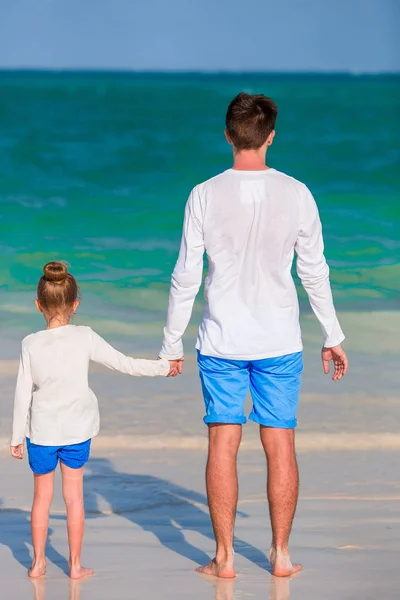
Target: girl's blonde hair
[{"x": 57, "y": 289}]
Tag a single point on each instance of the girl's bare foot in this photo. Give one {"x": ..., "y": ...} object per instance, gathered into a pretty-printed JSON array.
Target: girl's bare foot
[
  {"x": 281, "y": 564},
  {"x": 38, "y": 569},
  {"x": 78, "y": 572},
  {"x": 224, "y": 570}
]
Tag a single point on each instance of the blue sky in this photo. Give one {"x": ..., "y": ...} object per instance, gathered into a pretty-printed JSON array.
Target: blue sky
[{"x": 206, "y": 35}]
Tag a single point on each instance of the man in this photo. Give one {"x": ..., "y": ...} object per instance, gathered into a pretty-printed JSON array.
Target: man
[{"x": 250, "y": 220}]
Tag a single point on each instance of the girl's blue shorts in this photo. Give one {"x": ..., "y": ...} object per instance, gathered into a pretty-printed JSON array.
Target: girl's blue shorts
[
  {"x": 274, "y": 384},
  {"x": 44, "y": 459}
]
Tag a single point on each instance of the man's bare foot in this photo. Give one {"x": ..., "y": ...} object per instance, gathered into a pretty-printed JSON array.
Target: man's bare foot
[
  {"x": 281, "y": 564},
  {"x": 38, "y": 569},
  {"x": 224, "y": 570},
  {"x": 78, "y": 572}
]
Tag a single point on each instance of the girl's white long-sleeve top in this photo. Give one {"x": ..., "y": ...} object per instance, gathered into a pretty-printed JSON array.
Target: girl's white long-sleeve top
[
  {"x": 250, "y": 224},
  {"x": 54, "y": 405}
]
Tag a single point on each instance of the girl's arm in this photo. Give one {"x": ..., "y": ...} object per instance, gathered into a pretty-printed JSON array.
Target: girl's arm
[
  {"x": 23, "y": 398},
  {"x": 103, "y": 353}
]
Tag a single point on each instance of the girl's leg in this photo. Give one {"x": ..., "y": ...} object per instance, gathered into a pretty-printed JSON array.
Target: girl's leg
[
  {"x": 43, "y": 496},
  {"x": 72, "y": 486}
]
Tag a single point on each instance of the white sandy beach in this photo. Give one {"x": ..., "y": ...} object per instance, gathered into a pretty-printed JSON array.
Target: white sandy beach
[
  {"x": 147, "y": 521},
  {"x": 148, "y": 528}
]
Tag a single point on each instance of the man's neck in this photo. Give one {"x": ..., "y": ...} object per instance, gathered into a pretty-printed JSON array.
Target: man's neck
[{"x": 249, "y": 160}]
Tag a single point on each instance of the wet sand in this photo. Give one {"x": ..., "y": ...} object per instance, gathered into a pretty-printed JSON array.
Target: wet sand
[
  {"x": 148, "y": 528},
  {"x": 147, "y": 521}
]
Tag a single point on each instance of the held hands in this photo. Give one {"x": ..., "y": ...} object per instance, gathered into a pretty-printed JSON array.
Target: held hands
[
  {"x": 175, "y": 367},
  {"x": 17, "y": 451},
  {"x": 340, "y": 362}
]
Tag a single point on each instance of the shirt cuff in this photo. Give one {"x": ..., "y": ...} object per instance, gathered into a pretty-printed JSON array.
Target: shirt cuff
[
  {"x": 171, "y": 351},
  {"x": 17, "y": 441},
  {"x": 334, "y": 340},
  {"x": 165, "y": 367}
]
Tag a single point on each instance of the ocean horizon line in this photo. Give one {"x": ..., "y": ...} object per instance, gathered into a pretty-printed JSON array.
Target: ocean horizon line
[{"x": 95, "y": 71}]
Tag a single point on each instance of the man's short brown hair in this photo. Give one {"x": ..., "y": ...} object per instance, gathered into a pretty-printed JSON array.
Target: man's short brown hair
[{"x": 250, "y": 118}]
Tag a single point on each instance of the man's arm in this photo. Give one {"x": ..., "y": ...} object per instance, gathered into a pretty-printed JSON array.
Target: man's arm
[
  {"x": 186, "y": 279},
  {"x": 314, "y": 274}
]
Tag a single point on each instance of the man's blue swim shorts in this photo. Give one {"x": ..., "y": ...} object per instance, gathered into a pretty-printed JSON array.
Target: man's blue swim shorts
[
  {"x": 44, "y": 459},
  {"x": 274, "y": 384}
]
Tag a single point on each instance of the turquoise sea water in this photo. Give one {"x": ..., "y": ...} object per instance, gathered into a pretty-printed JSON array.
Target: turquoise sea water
[{"x": 95, "y": 169}]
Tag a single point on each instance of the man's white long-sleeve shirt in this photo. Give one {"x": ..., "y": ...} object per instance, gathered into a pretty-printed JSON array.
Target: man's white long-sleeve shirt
[{"x": 250, "y": 224}]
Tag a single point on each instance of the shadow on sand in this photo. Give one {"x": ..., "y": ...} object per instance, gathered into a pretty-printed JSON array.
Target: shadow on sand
[
  {"x": 158, "y": 506},
  {"x": 15, "y": 532}
]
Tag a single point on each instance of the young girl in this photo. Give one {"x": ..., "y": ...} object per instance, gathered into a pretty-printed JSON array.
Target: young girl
[{"x": 57, "y": 411}]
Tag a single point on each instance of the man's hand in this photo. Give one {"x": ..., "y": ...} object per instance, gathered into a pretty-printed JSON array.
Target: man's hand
[
  {"x": 17, "y": 451},
  {"x": 175, "y": 367},
  {"x": 340, "y": 362}
]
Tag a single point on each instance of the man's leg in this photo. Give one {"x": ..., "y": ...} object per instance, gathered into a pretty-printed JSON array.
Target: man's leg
[
  {"x": 283, "y": 489},
  {"x": 222, "y": 492}
]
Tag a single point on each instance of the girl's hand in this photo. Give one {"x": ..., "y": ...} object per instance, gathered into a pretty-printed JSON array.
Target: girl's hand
[
  {"x": 176, "y": 367},
  {"x": 17, "y": 451}
]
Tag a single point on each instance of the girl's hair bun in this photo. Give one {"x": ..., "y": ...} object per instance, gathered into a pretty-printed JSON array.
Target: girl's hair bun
[{"x": 55, "y": 272}]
